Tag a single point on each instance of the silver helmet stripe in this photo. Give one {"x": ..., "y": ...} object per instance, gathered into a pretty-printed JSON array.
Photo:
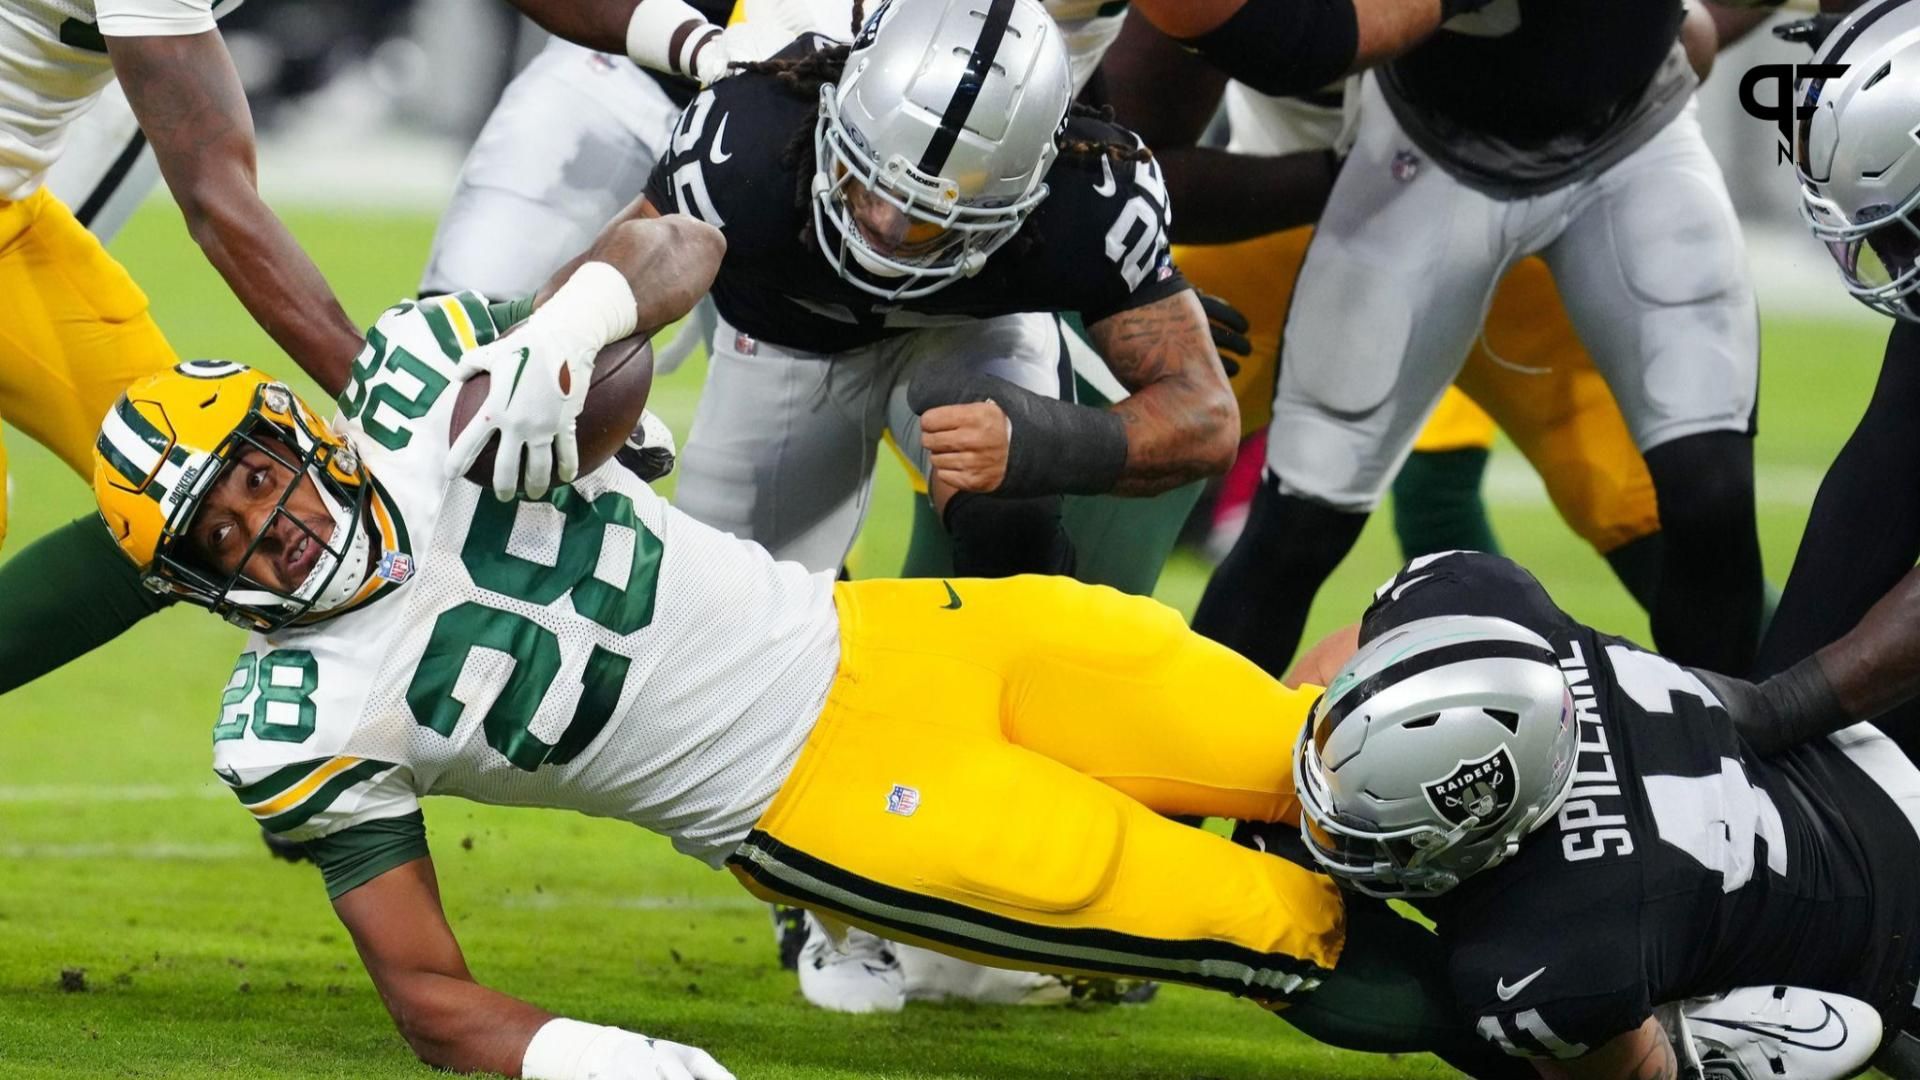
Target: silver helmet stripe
[
  {"x": 1486, "y": 649},
  {"x": 960, "y": 106},
  {"x": 1833, "y": 50}
]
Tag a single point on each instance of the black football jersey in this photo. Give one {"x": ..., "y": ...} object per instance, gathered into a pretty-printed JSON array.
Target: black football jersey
[
  {"x": 1530, "y": 69},
  {"x": 741, "y": 159},
  {"x": 1680, "y": 864}
]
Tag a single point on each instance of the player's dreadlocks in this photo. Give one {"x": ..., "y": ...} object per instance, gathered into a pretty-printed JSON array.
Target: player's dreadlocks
[{"x": 805, "y": 75}]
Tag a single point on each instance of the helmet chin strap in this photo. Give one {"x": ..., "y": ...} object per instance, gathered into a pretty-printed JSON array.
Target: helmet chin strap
[{"x": 326, "y": 585}]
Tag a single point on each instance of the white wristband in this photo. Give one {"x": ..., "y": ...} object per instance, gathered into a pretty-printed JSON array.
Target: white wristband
[
  {"x": 669, "y": 36},
  {"x": 595, "y": 308}
]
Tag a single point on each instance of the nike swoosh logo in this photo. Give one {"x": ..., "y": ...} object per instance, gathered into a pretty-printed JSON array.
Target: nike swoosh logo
[
  {"x": 953, "y": 599},
  {"x": 1507, "y": 993},
  {"x": 1106, "y": 186},
  {"x": 714, "y": 153},
  {"x": 517, "y": 372},
  {"x": 1783, "y": 1033},
  {"x": 1400, "y": 589}
]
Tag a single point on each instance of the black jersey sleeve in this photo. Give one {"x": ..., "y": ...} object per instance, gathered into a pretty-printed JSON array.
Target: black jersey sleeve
[
  {"x": 1098, "y": 244},
  {"x": 1463, "y": 583},
  {"x": 1548, "y": 966},
  {"x": 728, "y": 162}
]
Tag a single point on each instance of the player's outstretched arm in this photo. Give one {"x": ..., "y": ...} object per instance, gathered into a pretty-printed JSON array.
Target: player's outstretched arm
[
  {"x": 1641, "y": 1054},
  {"x": 1223, "y": 197},
  {"x": 1299, "y": 46},
  {"x": 1874, "y": 668},
  {"x": 191, "y": 107},
  {"x": 452, "y": 1022}
]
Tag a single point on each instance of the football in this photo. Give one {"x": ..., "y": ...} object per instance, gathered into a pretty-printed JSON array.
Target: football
[{"x": 622, "y": 378}]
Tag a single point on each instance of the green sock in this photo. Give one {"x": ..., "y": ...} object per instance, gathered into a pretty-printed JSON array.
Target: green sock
[
  {"x": 64, "y": 595},
  {"x": 1389, "y": 995},
  {"x": 1437, "y": 504}
]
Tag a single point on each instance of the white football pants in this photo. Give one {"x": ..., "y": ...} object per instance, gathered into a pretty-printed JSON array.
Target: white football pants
[
  {"x": 572, "y": 141},
  {"x": 1648, "y": 257}
]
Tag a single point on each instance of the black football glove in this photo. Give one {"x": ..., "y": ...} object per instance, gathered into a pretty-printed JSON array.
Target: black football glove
[
  {"x": 649, "y": 452},
  {"x": 1229, "y": 332}
]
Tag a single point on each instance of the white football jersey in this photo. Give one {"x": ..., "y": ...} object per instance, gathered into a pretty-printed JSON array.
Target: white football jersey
[
  {"x": 1265, "y": 124},
  {"x": 598, "y": 651},
  {"x": 53, "y": 62}
]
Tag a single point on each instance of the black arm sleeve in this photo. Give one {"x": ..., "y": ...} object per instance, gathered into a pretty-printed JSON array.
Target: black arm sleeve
[
  {"x": 1284, "y": 46},
  {"x": 64, "y": 595}
]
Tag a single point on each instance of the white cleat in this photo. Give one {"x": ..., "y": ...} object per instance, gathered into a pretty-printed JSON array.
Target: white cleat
[
  {"x": 857, "y": 973},
  {"x": 932, "y": 976},
  {"x": 1781, "y": 1033}
]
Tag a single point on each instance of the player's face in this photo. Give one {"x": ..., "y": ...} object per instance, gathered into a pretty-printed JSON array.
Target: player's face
[
  {"x": 886, "y": 228},
  {"x": 250, "y": 500}
]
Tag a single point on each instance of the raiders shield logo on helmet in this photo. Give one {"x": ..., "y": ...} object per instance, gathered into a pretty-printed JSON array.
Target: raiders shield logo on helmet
[{"x": 1481, "y": 790}]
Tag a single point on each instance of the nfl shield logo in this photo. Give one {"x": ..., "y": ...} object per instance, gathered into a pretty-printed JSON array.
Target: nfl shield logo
[
  {"x": 1406, "y": 165},
  {"x": 1481, "y": 790},
  {"x": 903, "y": 800},
  {"x": 395, "y": 566}
]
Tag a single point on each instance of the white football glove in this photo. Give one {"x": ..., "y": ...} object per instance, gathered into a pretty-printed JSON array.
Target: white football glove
[
  {"x": 571, "y": 1050},
  {"x": 526, "y": 402}
]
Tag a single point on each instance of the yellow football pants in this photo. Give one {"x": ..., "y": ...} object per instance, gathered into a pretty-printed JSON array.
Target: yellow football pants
[
  {"x": 74, "y": 331},
  {"x": 1528, "y": 371},
  {"x": 988, "y": 775}
]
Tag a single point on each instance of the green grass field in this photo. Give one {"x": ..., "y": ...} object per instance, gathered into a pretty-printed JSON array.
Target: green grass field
[{"x": 144, "y": 933}]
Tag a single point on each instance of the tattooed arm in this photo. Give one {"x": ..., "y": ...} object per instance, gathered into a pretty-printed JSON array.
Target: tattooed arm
[
  {"x": 191, "y": 107},
  {"x": 1182, "y": 422},
  {"x": 1641, "y": 1054}
]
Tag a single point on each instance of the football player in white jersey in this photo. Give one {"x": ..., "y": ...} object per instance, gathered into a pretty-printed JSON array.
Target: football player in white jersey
[
  {"x": 74, "y": 327},
  {"x": 597, "y": 650},
  {"x": 572, "y": 141}
]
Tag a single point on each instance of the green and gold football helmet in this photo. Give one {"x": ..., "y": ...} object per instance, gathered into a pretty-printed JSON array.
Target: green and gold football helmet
[{"x": 164, "y": 446}]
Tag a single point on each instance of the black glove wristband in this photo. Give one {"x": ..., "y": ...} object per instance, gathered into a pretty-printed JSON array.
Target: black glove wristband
[
  {"x": 1055, "y": 447},
  {"x": 1789, "y": 709}
]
